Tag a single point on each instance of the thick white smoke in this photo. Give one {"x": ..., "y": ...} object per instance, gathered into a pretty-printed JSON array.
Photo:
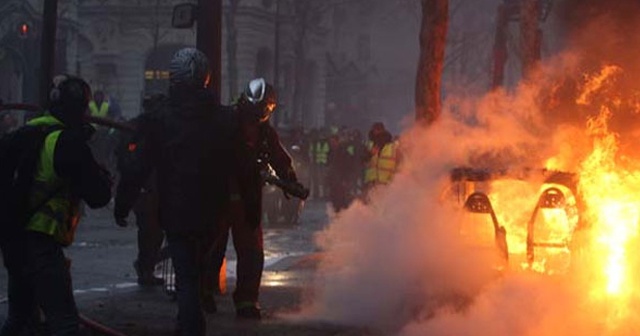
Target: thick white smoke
[
  {"x": 400, "y": 257},
  {"x": 398, "y": 264}
]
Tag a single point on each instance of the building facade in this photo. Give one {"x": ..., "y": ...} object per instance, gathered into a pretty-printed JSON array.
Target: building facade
[
  {"x": 124, "y": 49},
  {"x": 20, "y": 31},
  {"x": 338, "y": 63}
]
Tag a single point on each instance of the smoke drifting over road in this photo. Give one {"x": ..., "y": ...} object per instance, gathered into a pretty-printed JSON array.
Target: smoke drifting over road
[
  {"x": 398, "y": 264},
  {"x": 400, "y": 258}
]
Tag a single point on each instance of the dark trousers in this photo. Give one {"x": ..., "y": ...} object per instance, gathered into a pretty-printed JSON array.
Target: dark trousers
[
  {"x": 188, "y": 254},
  {"x": 38, "y": 278},
  {"x": 249, "y": 246},
  {"x": 318, "y": 180},
  {"x": 150, "y": 235}
]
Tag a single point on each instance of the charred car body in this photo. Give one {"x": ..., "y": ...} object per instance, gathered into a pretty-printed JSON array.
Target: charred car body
[{"x": 542, "y": 233}]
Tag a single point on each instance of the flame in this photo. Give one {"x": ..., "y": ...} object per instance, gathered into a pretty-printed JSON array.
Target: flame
[
  {"x": 612, "y": 208},
  {"x": 598, "y": 242},
  {"x": 594, "y": 84},
  {"x": 593, "y": 234}
]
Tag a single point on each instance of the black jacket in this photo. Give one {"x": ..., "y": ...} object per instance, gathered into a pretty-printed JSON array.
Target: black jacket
[
  {"x": 74, "y": 163},
  {"x": 186, "y": 142},
  {"x": 247, "y": 170}
]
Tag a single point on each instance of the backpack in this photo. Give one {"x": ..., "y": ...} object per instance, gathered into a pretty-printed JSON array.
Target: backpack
[{"x": 19, "y": 157}]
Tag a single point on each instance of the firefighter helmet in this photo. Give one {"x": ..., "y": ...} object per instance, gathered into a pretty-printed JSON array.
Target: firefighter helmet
[{"x": 262, "y": 96}]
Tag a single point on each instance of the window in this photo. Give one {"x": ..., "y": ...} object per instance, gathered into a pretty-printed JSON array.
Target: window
[{"x": 156, "y": 74}]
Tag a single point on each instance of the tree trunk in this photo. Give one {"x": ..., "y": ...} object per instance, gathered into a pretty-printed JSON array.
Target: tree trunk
[
  {"x": 500, "y": 51},
  {"x": 433, "y": 39},
  {"x": 276, "y": 58},
  {"x": 232, "y": 48},
  {"x": 529, "y": 36}
]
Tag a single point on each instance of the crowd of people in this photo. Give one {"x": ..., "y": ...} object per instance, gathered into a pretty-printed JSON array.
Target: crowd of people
[
  {"x": 341, "y": 165},
  {"x": 190, "y": 169}
]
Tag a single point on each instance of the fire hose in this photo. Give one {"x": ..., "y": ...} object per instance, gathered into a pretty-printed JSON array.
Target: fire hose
[
  {"x": 90, "y": 119},
  {"x": 95, "y": 326},
  {"x": 292, "y": 188}
]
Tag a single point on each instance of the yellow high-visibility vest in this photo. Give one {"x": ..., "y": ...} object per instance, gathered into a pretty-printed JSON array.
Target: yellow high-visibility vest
[
  {"x": 100, "y": 111},
  {"x": 59, "y": 216},
  {"x": 322, "y": 152},
  {"x": 383, "y": 164}
]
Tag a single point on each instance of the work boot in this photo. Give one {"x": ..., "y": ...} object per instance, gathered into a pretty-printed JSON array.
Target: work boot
[
  {"x": 146, "y": 279},
  {"x": 248, "y": 311}
]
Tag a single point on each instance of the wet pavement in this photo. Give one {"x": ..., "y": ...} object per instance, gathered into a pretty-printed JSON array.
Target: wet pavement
[{"x": 106, "y": 291}]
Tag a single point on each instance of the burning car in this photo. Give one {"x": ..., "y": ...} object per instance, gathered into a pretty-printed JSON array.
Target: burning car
[{"x": 528, "y": 217}]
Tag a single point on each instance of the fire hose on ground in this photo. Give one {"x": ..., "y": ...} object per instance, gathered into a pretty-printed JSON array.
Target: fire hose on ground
[
  {"x": 90, "y": 119},
  {"x": 97, "y": 327}
]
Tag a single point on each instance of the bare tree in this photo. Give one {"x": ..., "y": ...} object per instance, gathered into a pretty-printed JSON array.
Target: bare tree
[
  {"x": 308, "y": 16},
  {"x": 433, "y": 41},
  {"x": 530, "y": 35},
  {"x": 308, "y": 20}
]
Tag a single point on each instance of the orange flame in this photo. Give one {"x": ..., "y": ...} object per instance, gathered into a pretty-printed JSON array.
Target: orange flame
[
  {"x": 612, "y": 207},
  {"x": 595, "y": 84}
]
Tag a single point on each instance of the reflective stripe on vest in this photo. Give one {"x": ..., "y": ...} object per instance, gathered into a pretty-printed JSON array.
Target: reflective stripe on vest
[
  {"x": 58, "y": 217},
  {"x": 351, "y": 149},
  {"x": 322, "y": 152},
  {"x": 369, "y": 145},
  {"x": 101, "y": 111},
  {"x": 383, "y": 164}
]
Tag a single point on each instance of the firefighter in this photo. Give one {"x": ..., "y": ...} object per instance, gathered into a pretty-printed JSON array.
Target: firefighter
[
  {"x": 257, "y": 146},
  {"x": 187, "y": 144},
  {"x": 383, "y": 157},
  {"x": 65, "y": 173},
  {"x": 145, "y": 208}
]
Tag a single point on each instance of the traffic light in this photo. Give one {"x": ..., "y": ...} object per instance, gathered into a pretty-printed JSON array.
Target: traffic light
[{"x": 24, "y": 30}]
